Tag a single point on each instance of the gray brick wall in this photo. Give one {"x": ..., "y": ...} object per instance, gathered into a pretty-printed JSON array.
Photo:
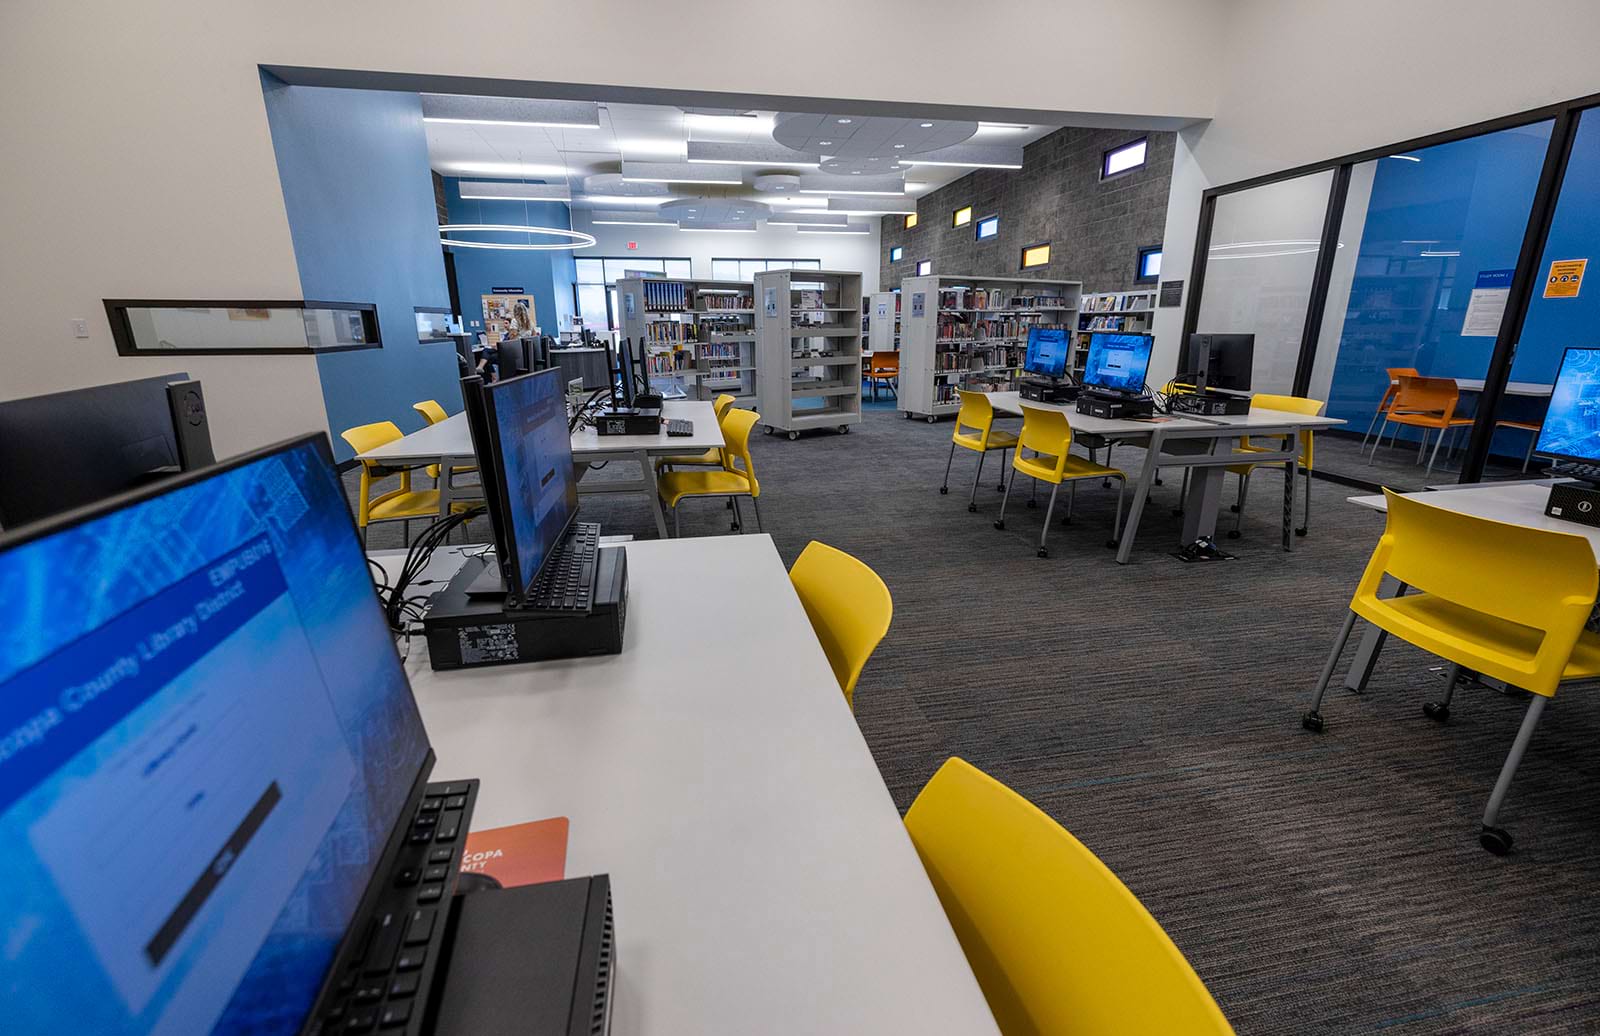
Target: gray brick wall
[{"x": 1095, "y": 228}]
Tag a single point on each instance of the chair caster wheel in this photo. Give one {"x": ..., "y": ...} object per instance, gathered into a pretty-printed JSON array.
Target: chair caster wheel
[
  {"x": 1001, "y": 524},
  {"x": 1106, "y": 484},
  {"x": 944, "y": 490},
  {"x": 1437, "y": 710},
  {"x": 1495, "y": 840},
  {"x": 1001, "y": 488},
  {"x": 1177, "y": 512},
  {"x": 1112, "y": 544},
  {"x": 1043, "y": 553},
  {"x": 1233, "y": 508},
  {"x": 767, "y": 429},
  {"x": 973, "y": 508},
  {"x": 1233, "y": 534},
  {"x": 1159, "y": 482},
  {"x": 1312, "y": 721},
  {"x": 793, "y": 436},
  {"x": 1032, "y": 502},
  {"x": 1302, "y": 531}
]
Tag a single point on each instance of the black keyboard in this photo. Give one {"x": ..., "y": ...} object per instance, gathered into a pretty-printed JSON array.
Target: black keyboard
[
  {"x": 383, "y": 983},
  {"x": 566, "y": 583},
  {"x": 678, "y": 426},
  {"x": 1574, "y": 469}
]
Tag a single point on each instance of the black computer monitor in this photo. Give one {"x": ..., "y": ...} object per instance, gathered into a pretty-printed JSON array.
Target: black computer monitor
[
  {"x": 209, "y": 750},
  {"x": 1117, "y": 361},
  {"x": 1047, "y": 352},
  {"x": 1220, "y": 361},
  {"x": 627, "y": 376},
  {"x": 519, "y": 432},
  {"x": 73, "y": 448},
  {"x": 1571, "y": 430}
]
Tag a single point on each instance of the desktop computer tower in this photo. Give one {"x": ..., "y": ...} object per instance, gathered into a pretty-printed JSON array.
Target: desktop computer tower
[{"x": 1577, "y": 502}]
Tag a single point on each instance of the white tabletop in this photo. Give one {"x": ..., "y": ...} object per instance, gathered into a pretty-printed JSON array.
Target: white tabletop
[
  {"x": 1012, "y": 403},
  {"x": 1261, "y": 417},
  {"x": 1513, "y": 388},
  {"x": 1519, "y": 503},
  {"x": 452, "y": 438},
  {"x": 763, "y": 879}
]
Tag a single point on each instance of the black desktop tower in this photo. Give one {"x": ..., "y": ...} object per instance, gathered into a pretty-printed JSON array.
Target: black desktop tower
[
  {"x": 1114, "y": 406},
  {"x": 465, "y": 631},
  {"x": 1208, "y": 404},
  {"x": 637, "y": 421},
  {"x": 1577, "y": 502},
  {"x": 1047, "y": 391}
]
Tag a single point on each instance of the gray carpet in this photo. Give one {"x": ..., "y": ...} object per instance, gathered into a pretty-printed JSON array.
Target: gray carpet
[
  {"x": 1318, "y": 884},
  {"x": 1396, "y": 466}
]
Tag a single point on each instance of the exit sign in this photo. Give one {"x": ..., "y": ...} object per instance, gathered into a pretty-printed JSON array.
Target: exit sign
[{"x": 633, "y": 245}]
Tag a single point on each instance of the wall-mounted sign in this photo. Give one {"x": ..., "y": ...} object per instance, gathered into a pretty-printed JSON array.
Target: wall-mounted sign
[
  {"x": 509, "y": 316},
  {"x": 507, "y": 291},
  {"x": 1487, "y": 304},
  {"x": 628, "y": 304},
  {"x": 1565, "y": 278},
  {"x": 1171, "y": 294},
  {"x": 919, "y": 302},
  {"x": 770, "y": 300}
]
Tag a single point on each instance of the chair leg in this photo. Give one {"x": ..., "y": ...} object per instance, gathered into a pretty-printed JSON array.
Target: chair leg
[
  {"x": 1105, "y": 483},
  {"x": 1000, "y": 487},
  {"x": 1048, "y": 509},
  {"x": 1116, "y": 523},
  {"x": 675, "y": 531},
  {"x": 1305, "y": 529},
  {"x": 945, "y": 486},
  {"x": 1422, "y": 445},
  {"x": 972, "y": 498},
  {"x": 405, "y": 531},
  {"x": 1533, "y": 440},
  {"x": 1435, "y": 455},
  {"x": 1370, "y": 423},
  {"x": 1072, "y": 499},
  {"x": 1493, "y": 838},
  {"x": 1373, "y": 456},
  {"x": 1312, "y": 719},
  {"x": 1238, "y": 507},
  {"x": 1183, "y": 494},
  {"x": 756, "y": 505},
  {"x": 1440, "y": 710},
  {"x": 738, "y": 519},
  {"x": 1000, "y": 523},
  {"x": 363, "y": 538}
]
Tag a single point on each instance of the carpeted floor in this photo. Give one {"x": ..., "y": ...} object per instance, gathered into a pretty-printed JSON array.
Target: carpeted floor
[{"x": 1318, "y": 884}]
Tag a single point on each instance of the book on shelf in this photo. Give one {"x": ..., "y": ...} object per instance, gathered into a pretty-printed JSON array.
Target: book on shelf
[
  {"x": 722, "y": 300},
  {"x": 1112, "y": 302},
  {"x": 664, "y": 296},
  {"x": 807, "y": 298}
]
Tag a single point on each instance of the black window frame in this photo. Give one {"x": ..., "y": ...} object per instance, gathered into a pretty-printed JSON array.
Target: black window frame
[
  {"x": 1022, "y": 256},
  {"x": 1105, "y": 158},
  {"x": 977, "y": 228},
  {"x": 1139, "y": 276},
  {"x": 122, "y": 331},
  {"x": 897, "y": 248}
]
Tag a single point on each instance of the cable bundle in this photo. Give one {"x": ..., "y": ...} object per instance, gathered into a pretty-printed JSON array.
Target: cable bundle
[{"x": 399, "y": 609}]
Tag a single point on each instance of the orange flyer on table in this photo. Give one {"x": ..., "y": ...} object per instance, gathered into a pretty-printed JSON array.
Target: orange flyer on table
[{"x": 520, "y": 854}]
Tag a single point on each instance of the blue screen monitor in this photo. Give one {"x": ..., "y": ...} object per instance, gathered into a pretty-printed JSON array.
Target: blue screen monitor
[
  {"x": 533, "y": 461},
  {"x": 1572, "y": 425},
  {"x": 1117, "y": 362},
  {"x": 1047, "y": 351},
  {"x": 206, "y": 743}
]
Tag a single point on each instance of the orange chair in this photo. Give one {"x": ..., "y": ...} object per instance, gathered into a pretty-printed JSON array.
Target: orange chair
[
  {"x": 1425, "y": 403},
  {"x": 1395, "y": 374},
  {"x": 1533, "y": 431},
  {"x": 885, "y": 367}
]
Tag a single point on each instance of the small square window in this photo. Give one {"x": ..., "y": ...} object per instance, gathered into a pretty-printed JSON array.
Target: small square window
[
  {"x": 1123, "y": 159},
  {"x": 1036, "y": 255},
  {"x": 911, "y": 220},
  {"x": 896, "y": 254},
  {"x": 962, "y": 216},
  {"x": 924, "y": 267},
  {"x": 988, "y": 227},
  {"x": 1149, "y": 268}
]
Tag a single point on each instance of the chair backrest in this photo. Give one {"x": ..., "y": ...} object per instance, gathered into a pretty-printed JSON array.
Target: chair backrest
[
  {"x": 976, "y": 412},
  {"x": 1047, "y": 432},
  {"x": 1538, "y": 578},
  {"x": 430, "y": 410},
  {"x": 1426, "y": 395},
  {"x": 1057, "y": 942},
  {"x": 1291, "y": 405},
  {"x": 886, "y": 362},
  {"x": 736, "y": 425},
  {"x": 849, "y": 608},
  {"x": 721, "y": 404},
  {"x": 370, "y": 436}
]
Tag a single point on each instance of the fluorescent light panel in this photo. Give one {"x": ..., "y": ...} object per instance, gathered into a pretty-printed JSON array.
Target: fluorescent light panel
[
  {"x": 856, "y": 203},
  {"x": 808, "y": 219},
  {"x": 488, "y": 190},
  {"x": 971, "y": 156},
  {"x": 849, "y": 228},
  {"x": 762, "y": 154},
  {"x": 831, "y": 183},
  {"x": 673, "y": 172},
  {"x": 510, "y": 111}
]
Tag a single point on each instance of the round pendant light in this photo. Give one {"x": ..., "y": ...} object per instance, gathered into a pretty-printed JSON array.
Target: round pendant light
[{"x": 568, "y": 238}]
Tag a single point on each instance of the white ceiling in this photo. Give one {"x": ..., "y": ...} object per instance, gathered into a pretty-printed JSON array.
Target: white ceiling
[{"x": 646, "y": 133}]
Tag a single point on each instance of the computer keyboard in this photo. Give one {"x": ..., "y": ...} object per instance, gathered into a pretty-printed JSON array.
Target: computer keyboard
[
  {"x": 566, "y": 583},
  {"x": 1576, "y": 469},
  {"x": 380, "y": 986},
  {"x": 678, "y": 426}
]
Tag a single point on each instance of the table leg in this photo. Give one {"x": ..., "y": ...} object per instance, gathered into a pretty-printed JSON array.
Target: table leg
[
  {"x": 649, "y": 477},
  {"x": 1371, "y": 642},
  {"x": 1202, "y": 504},
  {"x": 1290, "y": 469},
  {"x": 1147, "y": 477}
]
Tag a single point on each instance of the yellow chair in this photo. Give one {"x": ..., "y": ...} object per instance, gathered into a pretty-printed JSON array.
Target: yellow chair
[
  {"x": 1047, "y": 436},
  {"x": 400, "y": 504},
  {"x": 1289, "y": 404},
  {"x": 711, "y": 458},
  {"x": 732, "y": 480},
  {"x": 849, "y": 608},
  {"x": 977, "y": 414},
  {"x": 1057, "y": 942},
  {"x": 1503, "y": 600},
  {"x": 433, "y": 413}
]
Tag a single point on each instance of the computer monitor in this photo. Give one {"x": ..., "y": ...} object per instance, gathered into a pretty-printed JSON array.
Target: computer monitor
[
  {"x": 1220, "y": 361},
  {"x": 1117, "y": 361},
  {"x": 73, "y": 448},
  {"x": 1047, "y": 352},
  {"x": 207, "y": 750},
  {"x": 626, "y": 373},
  {"x": 519, "y": 431},
  {"x": 1571, "y": 429}
]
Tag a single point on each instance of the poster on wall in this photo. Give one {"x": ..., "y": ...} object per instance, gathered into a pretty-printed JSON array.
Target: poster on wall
[
  {"x": 508, "y": 316},
  {"x": 1487, "y": 304},
  {"x": 1565, "y": 278},
  {"x": 771, "y": 301}
]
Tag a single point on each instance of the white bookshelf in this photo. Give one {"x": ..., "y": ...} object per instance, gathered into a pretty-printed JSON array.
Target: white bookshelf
[
  {"x": 1131, "y": 311},
  {"x": 883, "y": 322},
  {"x": 699, "y": 335},
  {"x": 972, "y": 333},
  {"x": 808, "y": 366}
]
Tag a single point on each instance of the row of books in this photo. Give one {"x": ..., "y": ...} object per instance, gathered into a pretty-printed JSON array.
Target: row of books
[
  {"x": 945, "y": 391},
  {"x": 951, "y": 327},
  {"x": 667, "y": 332},
  {"x": 669, "y": 362},
  {"x": 665, "y": 296},
  {"x": 1128, "y": 300},
  {"x": 711, "y": 351},
  {"x": 722, "y": 300},
  {"x": 1117, "y": 323},
  {"x": 997, "y": 298},
  {"x": 980, "y": 358}
]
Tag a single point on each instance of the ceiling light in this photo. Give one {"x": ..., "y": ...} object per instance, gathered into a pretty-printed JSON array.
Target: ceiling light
[
  {"x": 630, "y": 222},
  {"x": 897, "y": 147},
  {"x": 1406, "y": 158},
  {"x": 1001, "y": 127},
  {"x": 825, "y": 143},
  {"x": 716, "y": 230},
  {"x": 572, "y": 238},
  {"x": 506, "y": 168},
  {"x": 962, "y": 165},
  {"x": 926, "y": 125},
  {"x": 514, "y": 122},
  {"x": 844, "y": 122},
  {"x": 1438, "y": 255},
  {"x": 676, "y": 179}
]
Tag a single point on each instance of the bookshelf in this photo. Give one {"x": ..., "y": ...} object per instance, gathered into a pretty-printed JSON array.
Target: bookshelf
[
  {"x": 700, "y": 336},
  {"x": 883, "y": 327},
  {"x": 1133, "y": 311},
  {"x": 808, "y": 327},
  {"x": 972, "y": 333}
]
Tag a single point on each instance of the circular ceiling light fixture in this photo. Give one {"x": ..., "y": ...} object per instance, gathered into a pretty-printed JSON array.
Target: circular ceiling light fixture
[
  {"x": 569, "y": 238},
  {"x": 717, "y": 212},
  {"x": 776, "y": 183},
  {"x": 612, "y": 185},
  {"x": 867, "y": 136}
]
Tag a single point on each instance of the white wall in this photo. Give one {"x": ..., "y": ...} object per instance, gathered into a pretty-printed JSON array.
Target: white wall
[{"x": 851, "y": 252}]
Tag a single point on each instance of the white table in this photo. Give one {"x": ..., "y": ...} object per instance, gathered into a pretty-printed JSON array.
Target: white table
[
  {"x": 1513, "y": 388},
  {"x": 763, "y": 879},
  {"x": 450, "y": 442},
  {"x": 1203, "y": 444}
]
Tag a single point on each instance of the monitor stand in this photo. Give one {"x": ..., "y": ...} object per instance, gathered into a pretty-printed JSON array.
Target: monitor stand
[{"x": 487, "y": 583}]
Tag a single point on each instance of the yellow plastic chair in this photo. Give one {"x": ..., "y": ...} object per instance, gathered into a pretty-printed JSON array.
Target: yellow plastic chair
[
  {"x": 433, "y": 413},
  {"x": 400, "y": 504},
  {"x": 1503, "y": 600},
  {"x": 1047, "y": 436},
  {"x": 849, "y": 608},
  {"x": 1292, "y": 405},
  {"x": 977, "y": 414},
  {"x": 736, "y": 477},
  {"x": 711, "y": 458},
  {"x": 1057, "y": 942}
]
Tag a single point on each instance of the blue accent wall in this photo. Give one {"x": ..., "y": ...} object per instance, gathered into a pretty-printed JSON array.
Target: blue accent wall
[
  {"x": 1554, "y": 324},
  {"x": 547, "y": 276},
  {"x": 359, "y": 196}
]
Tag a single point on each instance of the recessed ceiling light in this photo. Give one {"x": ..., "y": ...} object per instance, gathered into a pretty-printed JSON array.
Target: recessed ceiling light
[
  {"x": 691, "y": 210},
  {"x": 855, "y": 172},
  {"x": 825, "y": 143},
  {"x": 844, "y": 122},
  {"x": 926, "y": 125},
  {"x": 897, "y": 147}
]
